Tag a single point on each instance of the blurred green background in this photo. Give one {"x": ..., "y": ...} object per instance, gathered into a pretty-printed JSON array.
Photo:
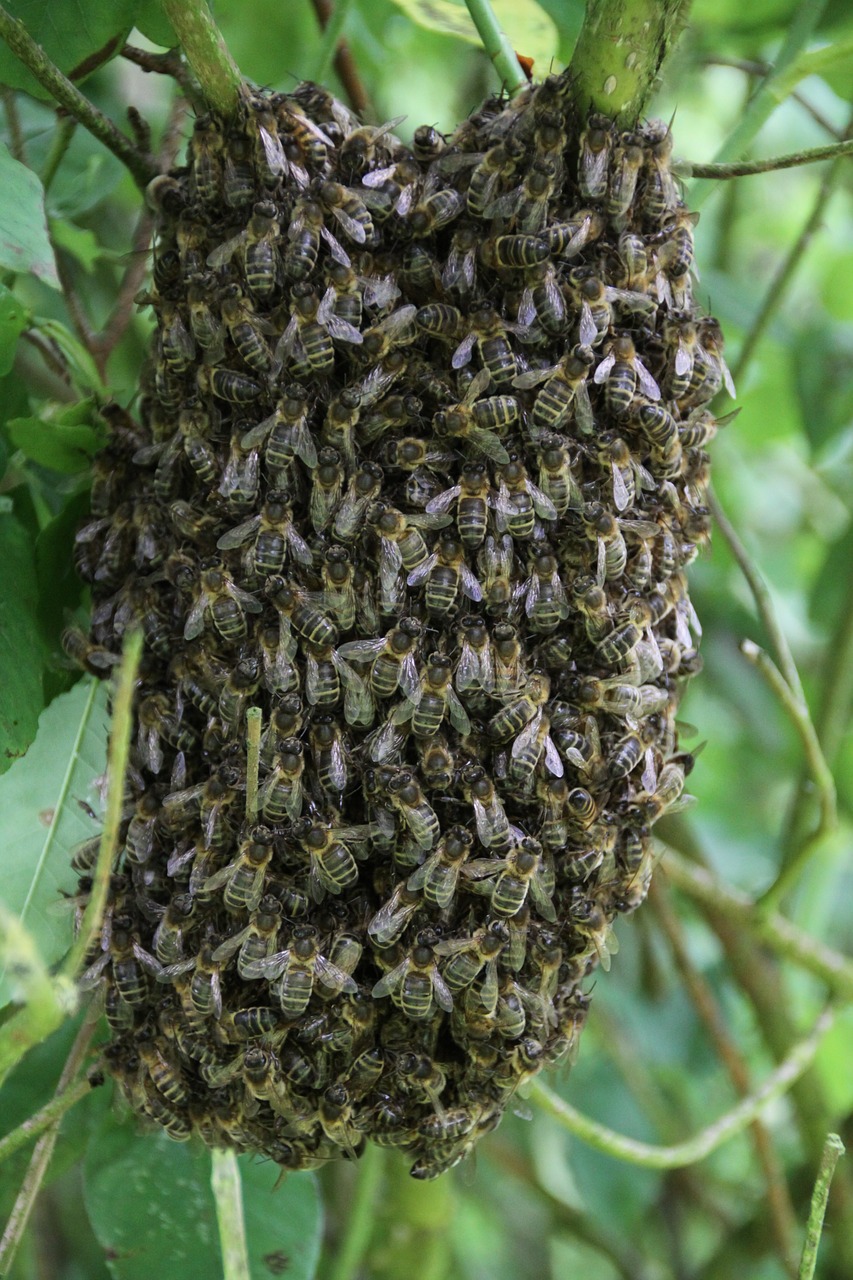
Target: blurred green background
[{"x": 536, "y": 1202}]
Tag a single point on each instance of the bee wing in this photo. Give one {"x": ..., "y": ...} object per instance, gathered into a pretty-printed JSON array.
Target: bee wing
[
  {"x": 377, "y": 177},
  {"x": 409, "y": 681},
  {"x": 543, "y": 506},
  {"x": 91, "y": 976},
  {"x": 195, "y": 622},
  {"x": 299, "y": 547},
  {"x": 304, "y": 447},
  {"x": 354, "y": 229},
  {"x": 443, "y": 997},
  {"x": 647, "y": 382},
  {"x": 462, "y": 354},
  {"x": 336, "y": 249},
  {"x": 649, "y": 775},
  {"x": 270, "y": 967},
  {"x": 333, "y": 977},
  {"x": 403, "y": 710},
  {"x": 362, "y": 649},
  {"x": 542, "y": 902},
  {"x": 237, "y": 536},
  {"x": 380, "y": 291},
  {"x": 604, "y": 368},
  {"x": 390, "y": 563},
  {"x": 168, "y": 972},
  {"x": 391, "y": 980},
  {"x": 344, "y": 331},
  {"x": 728, "y": 380},
  {"x": 470, "y": 586},
  {"x": 422, "y": 571},
  {"x": 531, "y": 593},
  {"x": 588, "y": 328},
  {"x": 224, "y": 252},
  {"x": 640, "y": 528},
  {"x": 273, "y": 150},
  {"x": 480, "y": 868},
  {"x": 258, "y": 434},
  {"x": 444, "y": 501},
  {"x": 458, "y": 715},
  {"x": 527, "y": 735},
  {"x": 487, "y": 443},
  {"x": 583, "y": 410},
  {"x": 683, "y": 359},
  {"x": 526, "y": 309},
  {"x": 621, "y": 495},
  {"x": 533, "y": 377}
]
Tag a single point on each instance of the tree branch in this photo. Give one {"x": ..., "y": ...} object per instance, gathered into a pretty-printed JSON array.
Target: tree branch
[
  {"x": 216, "y": 71},
  {"x": 746, "y": 168},
  {"x": 497, "y": 45},
  {"x": 67, "y": 95}
]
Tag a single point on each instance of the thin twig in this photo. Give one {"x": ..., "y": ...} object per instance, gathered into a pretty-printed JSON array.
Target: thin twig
[
  {"x": 497, "y": 45},
  {"x": 832, "y": 1152},
  {"x": 710, "y": 1138},
  {"x": 43, "y": 1118},
  {"x": 253, "y": 756},
  {"x": 213, "y": 66},
  {"x": 752, "y": 68},
  {"x": 332, "y": 33},
  {"x": 17, "y": 145},
  {"x": 785, "y": 274},
  {"x": 746, "y": 168},
  {"x": 761, "y": 596},
  {"x": 117, "y": 755},
  {"x": 169, "y": 63},
  {"x": 802, "y": 721},
  {"x": 74, "y": 306},
  {"x": 66, "y": 127},
  {"x": 67, "y": 95},
  {"x": 352, "y": 1246},
  {"x": 228, "y": 1195},
  {"x": 782, "y": 1216},
  {"x": 768, "y": 927},
  {"x": 345, "y": 67},
  {"x": 43, "y": 1149}
]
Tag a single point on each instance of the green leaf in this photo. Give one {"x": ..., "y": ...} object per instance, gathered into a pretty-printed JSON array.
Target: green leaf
[
  {"x": 24, "y": 244},
  {"x": 59, "y": 586},
  {"x": 531, "y": 31},
  {"x": 152, "y": 1209},
  {"x": 13, "y": 321},
  {"x": 81, "y": 364},
  {"x": 60, "y": 446},
  {"x": 42, "y": 820},
  {"x": 79, "y": 242},
  {"x": 78, "y": 37},
  {"x": 21, "y": 650},
  {"x": 153, "y": 23}
]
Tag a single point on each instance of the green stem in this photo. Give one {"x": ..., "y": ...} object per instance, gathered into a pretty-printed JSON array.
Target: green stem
[
  {"x": 769, "y": 927},
  {"x": 765, "y": 98},
  {"x": 332, "y": 33},
  {"x": 710, "y": 1138},
  {"x": 43, "y": 1119},
  {"x": 413, "y": 1223},
  {"x": 349, "y": 1254},
  {"x": 228, "y": 1194},
  {"x": 253, "y": 759},
  {"x": 620, "y": 51},
  {"x": 833, "y": 1150},
  {"x": 497, "y": 45},
  {"x": 216, "y": 71},
  {"x": 67, "y": 95},
  {"x": 119, "y": 749},
  {"x": 13, "y": 124},
  {"x": 62, "y": 136},
  {"x": 746, "y": 168},
  {"x": 799, "y": 714}
]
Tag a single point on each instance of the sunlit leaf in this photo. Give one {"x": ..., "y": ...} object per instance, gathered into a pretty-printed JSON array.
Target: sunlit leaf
[
  {"x": 80, "y": 362},
  {"x": 24, "y": 245},
  {"x": 152, "y": 1209},
  {"x": 153, "y": 23},
  {"x": 81, "y": 243},
  {"x": 13, "y": 321},
  {"x": 42, "y": 817},
  {"x": 78, "y": 37},
  {"x": 21, "y": 650},
  {"x": 531, "y": 31},
  {"x": 61, "y": 446}
]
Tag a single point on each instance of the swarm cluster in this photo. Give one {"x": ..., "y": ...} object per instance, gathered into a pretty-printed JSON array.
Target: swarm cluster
[{"x": 419, "y": 467}]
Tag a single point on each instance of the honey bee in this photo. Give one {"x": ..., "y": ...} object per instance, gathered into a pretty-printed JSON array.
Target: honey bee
[
  {"x": 493, "y": 827},
  {"x": 519, "y": 501},
  {"x": 471, "y": 419},
  {"x": 256, "y": 942},
  {"x": 428, "y": 144},
  {"x": 622, "y": 372},
  {"x": 93, "y": 658},
  {"x": 673, "y": 258},
  {"x": 396, "y": 330},
  {"x": 496, "y": 562},
  {"x": 433, "y": 700},
  {"x": 327, "y": 483},
  {"x": 489, "y": 334},
  {"x": 419, "y": 1074},
  {"x": 514, "y": 252},
  {"x": 592, "y": 923},
  {"x": 625, "y": 166},
  {"x": 221, "y": 602},
  {"x": 490, "y": 171},
  {"x": 391, "y": 920},
  {"x": 565, "y": 389},
  {"x": 206, "y": 164},
  {"x": 392, "y": 657},
  {"x": 259, "y": 251},
  {"x": 459, "y": 274},
  {"x": 328, "y": 754},
  {"x": 511, "y": 878},
  {"x": 435, "y": 212},
  {"x": 306, "y": 229},
  {"x": 307, "y": 340},
  {"x": 339, "y": 424},
  {"x": 382, "y": 376},
  {"x": 416, "y": 983},
  {"x": 277, "y": 650},
  {"x": 438, "y": 877},
  {"x": 286, "y": 431},
  {"x": 159, "y": 723},
  {"x": 710, "y": 369},
  {"x": 128, "y": 962},
  {"x": 612, "y": 548},
  {"x": 543, "y": 594},
  {"x": 349, "y": 210},
  {"x": 469, "y": 957},
  {"x": 338, "y": 593},
  {"x": 404, "y": 794},
  {"x": 177, "y": 348},
  {"x": 326, "y": 671},
  {"x": 274, "y": 536},
  {"x": 445, "y": 574},
  {"x": 298, "y": 968},
  {"x": 308, "y": 623},
  {"x": 229, "y": 385},
  {"x": 471, "y": 499},
  {"x": 244, "y": 877},
  {"x": 402, "y": 546},
  {"x": 245, "y": 330},
  {"x": 332, "y": 865},
  {"x": 659, "y": 195},
  {"x": 596, "y": 146},
  {"x": 281, "y": 794}
]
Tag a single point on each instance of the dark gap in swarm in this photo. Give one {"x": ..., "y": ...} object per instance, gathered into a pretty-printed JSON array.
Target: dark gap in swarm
[{"x": 419, "y": 466}]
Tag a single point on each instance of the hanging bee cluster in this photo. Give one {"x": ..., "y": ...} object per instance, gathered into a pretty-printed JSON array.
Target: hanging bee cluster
[{"x": 420, "y": 465}]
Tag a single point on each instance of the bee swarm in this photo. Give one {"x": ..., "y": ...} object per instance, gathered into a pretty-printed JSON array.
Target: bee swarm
[{"x": 420, "y": 466}]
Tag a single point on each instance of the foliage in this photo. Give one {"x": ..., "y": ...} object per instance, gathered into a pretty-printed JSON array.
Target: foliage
[{"x": 696, "y": 1012}]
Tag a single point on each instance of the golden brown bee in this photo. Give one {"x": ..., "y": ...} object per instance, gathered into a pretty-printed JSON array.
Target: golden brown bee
[
  {"x": 596, "y": 146},
  {"x": 416, "y": 983}
]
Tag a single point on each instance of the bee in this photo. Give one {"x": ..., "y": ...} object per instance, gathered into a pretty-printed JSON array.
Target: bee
[
  {"x": 244, "y": 877},
  {"x": 206, "y": 159},
  {"x": 459, "y": 273},
  {"x": 336, "y": 1118},
  {"x": 514, "y": 252},
  {"x": 192, "y": 240},
  {"x": 305, "y": 143},
  {"x": 471, "y": 419},
  {"x": 591, "y": 922},
  {"x": 277, "y": 650},
  {"x": 367, "y": 147},
  {"x": 309, "y": 333},
  {"x": 332, "y": 865},
  {"x": 245, "y": 330},
  {"x": 625, "y": 165},
  {"x": 435, "y": 212},
  {"x": 416, "y": 983},
  {"x": 596, "y": 147},
  {"x": 93, "y": 658},
  {"x": 326, "y": 484},
  {"x": 177, "y": 348},
  {"x": 662, "y": 433},
  {"x": 659, "y": 196},
  {"x": 512, "y": 878},
  {"x": 496, "y": 562},
  {"x": 338, "y": 593},
  {"x": 392, "y": 657},
  {"x": 221, "y": 602},
  {"x": 128, "y": 962},
  {"x": 396, "y": 330},
  {"x": 401, "y": 545},
  {"x": 256, "y": 942},
  {"x": 436, "y": 762},
  {"x": 471, "y": 499},
  {"x": 339, "y": 424},
  {"x": 622, "y": 372},
  {"x": 710, "y": 370},
  {"x": 286, "y": 431},
  {"x": 673, "y": 258},
  {"x": 169, "y": 935},
  {"x": 433, "y": 700},
  {"x": 475, "y": 668},
  {"x": 158, "y": 723},
  {"x": 469, "y": 957},
  {"x": 612, "y": 548},
  {"x": 299, "y": 967},
  {"x": 438, "y": 877},
  {"x": 259, "y": 251},
  {"x": 556, "y": 479},
  {"x": 519, "y": 501},
  {"x": 229, "y": 385},
  {"x": 488, "y": 332},
  {"x": 543, "y": 594},
  {"x": 493, "y": 828},
  {"x": 428, "y": 144},
  {"x": 274, "y": 536},
  {"x": 325, "y": 672},
  {"x": 349, "y": 210},
  {"x": 328, "y": 754},
  {"x": 495, "y": 168},
  {"x": 538, "y": 186},
  {"x": 392, "y": 918},
  {"x": 305, "y": 231},
  {"x": 404, "y": 794},
  {"x": 681, "y": 339},
  {"x": 382, "y": 376},
  {"x": 445, "y": 574},
  {"x": 155, "y": 1105},
  {"x": 420, "y": 1075},
  {"x": 242, "y": 683},
  {"x": 309, "y": 624},
  {"x": 568, "y": 239},
  {"x": 565, "y": 389}
]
